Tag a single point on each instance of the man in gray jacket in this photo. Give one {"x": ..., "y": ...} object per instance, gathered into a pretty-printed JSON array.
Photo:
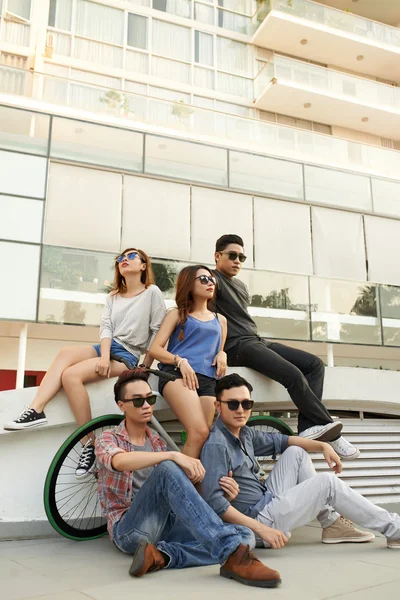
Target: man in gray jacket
[{"x": 293, "y": 494}]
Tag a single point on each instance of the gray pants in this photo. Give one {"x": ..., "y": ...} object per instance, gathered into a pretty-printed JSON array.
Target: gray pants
[{"x": 300, "y": 495}]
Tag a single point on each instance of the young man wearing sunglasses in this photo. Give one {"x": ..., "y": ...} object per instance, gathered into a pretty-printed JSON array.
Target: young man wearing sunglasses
[
  {"x": 293, "y": 494},
  {"x": 301, "y": 373},
  {"x": 152, "y": 508}
]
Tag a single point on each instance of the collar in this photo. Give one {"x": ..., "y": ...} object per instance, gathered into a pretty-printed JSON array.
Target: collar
[
  {"x": 122, "y": 432},
  {"x": 219, "y": 424}
]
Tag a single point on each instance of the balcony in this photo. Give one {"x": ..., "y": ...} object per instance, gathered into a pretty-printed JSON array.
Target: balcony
[
  {"x": 93, "y": 103},
  {"x": 317, "y": 32},
  {"x": 306, "y": 91}
]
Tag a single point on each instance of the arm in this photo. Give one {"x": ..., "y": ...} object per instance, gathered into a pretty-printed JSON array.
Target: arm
[
  {"x": 220, "y": 359},
  {"x": 157, "y": 313},
  {"x": 330, "y": 455},
  {"x": 274, "y": 537},
  {"x": 133, "y": 461},
  {"x": 158, "y": 351},
  {"x": 157, "y": 348}
]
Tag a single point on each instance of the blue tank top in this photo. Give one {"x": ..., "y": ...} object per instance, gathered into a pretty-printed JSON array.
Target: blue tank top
[{"x": 200, "y": 345}]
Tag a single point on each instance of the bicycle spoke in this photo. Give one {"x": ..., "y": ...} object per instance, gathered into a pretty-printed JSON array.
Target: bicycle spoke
[{"x": 76, "y": 505}]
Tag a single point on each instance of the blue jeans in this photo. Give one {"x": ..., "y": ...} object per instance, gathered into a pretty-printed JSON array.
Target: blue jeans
[{"x": 168, "y": 512}]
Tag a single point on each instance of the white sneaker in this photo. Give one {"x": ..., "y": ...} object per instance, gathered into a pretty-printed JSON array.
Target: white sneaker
[
  {"x": 344, "y": 449},
  {"x": 323, "y": 433},
  {"x": 393, "y": 544}
]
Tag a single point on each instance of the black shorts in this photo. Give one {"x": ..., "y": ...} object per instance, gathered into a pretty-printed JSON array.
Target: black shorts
[{"x": 206, "y": 384}]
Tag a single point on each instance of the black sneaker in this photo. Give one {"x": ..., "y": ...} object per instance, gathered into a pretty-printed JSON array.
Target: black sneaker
[
  {"x": 86, "y": 462},
  {"x": 28, "y": 418}
]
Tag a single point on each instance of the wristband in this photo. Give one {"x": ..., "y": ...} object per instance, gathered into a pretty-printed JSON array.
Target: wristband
[
  {"x": 178, "y": 366},
  {"x": 175, "y": 357}
]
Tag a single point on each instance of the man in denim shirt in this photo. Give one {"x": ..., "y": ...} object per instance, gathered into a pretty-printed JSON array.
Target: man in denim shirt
[{"x": 293, "y": 494}]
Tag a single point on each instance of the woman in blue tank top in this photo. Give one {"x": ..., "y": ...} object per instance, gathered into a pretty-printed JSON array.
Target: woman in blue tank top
[{"x": 196, "y": 338}]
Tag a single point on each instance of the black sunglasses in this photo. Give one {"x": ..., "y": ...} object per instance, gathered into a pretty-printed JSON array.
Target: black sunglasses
[
  {"x": 129, "y": 256},
  {"x": 234, "y": 255},
  {"x": 205, "y": 279},
  {"x": 138, "y": 402},
  {"x": 234, "y": 404}
]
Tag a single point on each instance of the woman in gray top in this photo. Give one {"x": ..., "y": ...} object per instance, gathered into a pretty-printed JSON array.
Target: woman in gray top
[{"x": 132, "y": 316}]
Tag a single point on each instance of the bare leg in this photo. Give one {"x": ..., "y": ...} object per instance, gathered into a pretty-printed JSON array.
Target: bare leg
[
  {"x": 188, "y": 408},
  {"x": 73, "y": 381},
  {"x": 51, "y": 383},
  {"x": 208, "y": 406}
]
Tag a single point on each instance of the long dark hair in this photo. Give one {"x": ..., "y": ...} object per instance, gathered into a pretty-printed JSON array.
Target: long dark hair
[
  {"x": 184, "y": 293},
  {"x": 146, "y": 277}
]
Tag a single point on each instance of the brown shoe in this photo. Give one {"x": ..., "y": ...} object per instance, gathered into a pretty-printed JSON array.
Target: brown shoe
[
  {"x": 343, "y": 530},
  {"x": 146, "y": 559},
  {"x": 244, "y": 567}
]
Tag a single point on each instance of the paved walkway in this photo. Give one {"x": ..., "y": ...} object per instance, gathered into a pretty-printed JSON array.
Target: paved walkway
[{"x": 59, "y": 569}]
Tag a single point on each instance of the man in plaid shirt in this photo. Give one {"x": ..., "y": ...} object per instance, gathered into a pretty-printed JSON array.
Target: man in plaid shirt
[{"x": 152, "y": 508}]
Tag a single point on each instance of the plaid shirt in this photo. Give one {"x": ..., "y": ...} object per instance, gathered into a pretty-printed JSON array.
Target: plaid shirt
[{"x": 115, "y": 487}]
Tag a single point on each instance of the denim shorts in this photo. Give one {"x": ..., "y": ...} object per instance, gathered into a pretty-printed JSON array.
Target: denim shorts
[{"x": 120, "y": 353}]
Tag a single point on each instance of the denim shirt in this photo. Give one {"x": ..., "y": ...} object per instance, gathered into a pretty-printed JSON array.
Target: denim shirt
[{"x": 223, "y": 452}]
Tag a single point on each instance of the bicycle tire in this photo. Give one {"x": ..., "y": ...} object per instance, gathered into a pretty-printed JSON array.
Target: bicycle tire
[
  {"x": 271, "y": 422},
  {"x": 89, "y": 485}
]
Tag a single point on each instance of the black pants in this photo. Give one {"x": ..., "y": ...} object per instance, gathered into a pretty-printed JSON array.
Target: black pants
[{"x": 301, "y": 373}]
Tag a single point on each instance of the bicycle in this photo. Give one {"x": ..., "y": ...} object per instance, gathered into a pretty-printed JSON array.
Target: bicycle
[{"x": 72, "y": 505}]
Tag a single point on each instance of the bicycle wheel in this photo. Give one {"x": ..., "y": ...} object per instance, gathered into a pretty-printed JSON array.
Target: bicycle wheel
[
  {"x": 268, "y": 425},
  {"x": 72, "y": 505}
]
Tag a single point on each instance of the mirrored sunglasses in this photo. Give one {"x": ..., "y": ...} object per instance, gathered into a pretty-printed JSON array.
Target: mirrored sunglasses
[{"x": 129, "y": 256}]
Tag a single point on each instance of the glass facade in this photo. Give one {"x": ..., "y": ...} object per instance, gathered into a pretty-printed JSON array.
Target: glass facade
[{"x": 98, "y": 200}]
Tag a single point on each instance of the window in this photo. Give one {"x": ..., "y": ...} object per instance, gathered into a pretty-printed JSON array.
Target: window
[
  {"x": 234, "y": 57},
  {"x": 97, "y": 144},
  {"x": 169, "y": 206},
  {"x": 171, "y": 41},
  {"x": 137, "y": 31},
  {"x": 327, "y": 186},
  {"x": 185, "y": 160},
  {"x": 13, "y": 227},
  {"x": 60, "y": 14},
  {"x": 23, "y": 130},
  {"x": 386, "y": 196},
  {"x": 21, "y": 8},
  {"x": 99, "y": 22},
  {"x": 22, "y": 175},
  {"x": 175, "y": 7},
  {"x": 266, "y": 175},
  {"x": 203, "y": 48},
  {"x": 282, "y": 236},
  {"x": 83, "y": 208},
  {"x": 383, "y": 248},
  {"x": 214, "y": 212},
  {"x": 20, "y": 296},
  {"x": 338, "y": 244},
  {"x": 73, "y": 285}
]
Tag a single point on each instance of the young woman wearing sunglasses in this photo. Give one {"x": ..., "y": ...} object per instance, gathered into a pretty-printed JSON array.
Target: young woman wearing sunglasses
[
  {"x": 196, "y": 338},
  {"x": 132, "y": 316}
]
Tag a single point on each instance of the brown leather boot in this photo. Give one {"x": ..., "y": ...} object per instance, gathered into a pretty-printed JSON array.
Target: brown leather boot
[
  {"x": 244, "y": 567},
  {"x": 146, "y": 559}
]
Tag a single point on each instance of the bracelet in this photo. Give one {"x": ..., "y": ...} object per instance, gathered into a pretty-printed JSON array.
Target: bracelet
[
  {"x": 175, "y": 357},
  {"x": 178, "y": 366}
]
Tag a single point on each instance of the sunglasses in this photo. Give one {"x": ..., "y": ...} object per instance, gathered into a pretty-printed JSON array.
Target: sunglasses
[
  {"x": 234, "y": 404},
  {"x": 234, "y": 255},
  {"x": 129, "y": 256},
  {"x": 206, "y": 279},
  {"x": 138, "y": 402}
]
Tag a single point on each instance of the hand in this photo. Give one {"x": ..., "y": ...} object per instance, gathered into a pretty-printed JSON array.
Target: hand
[
  {"x": 103, "y": 367},
  {"x": 275, "y": 538},
  {"x": 230, "y": 487},
  {"x": 191, "y": 466},
  {"x": 189, "y": 376},
  {"x": 220, "y": 363},
  {"x": 332, "y": 459}
]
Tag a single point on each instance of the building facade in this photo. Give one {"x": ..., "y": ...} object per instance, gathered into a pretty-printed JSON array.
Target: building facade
[{"x": 163, "y": 124}]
